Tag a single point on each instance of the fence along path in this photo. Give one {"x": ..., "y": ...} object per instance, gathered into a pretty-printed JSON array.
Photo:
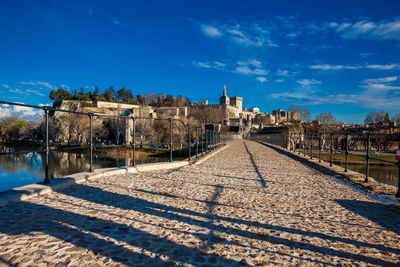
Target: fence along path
[{"x": 246, "y": 205}]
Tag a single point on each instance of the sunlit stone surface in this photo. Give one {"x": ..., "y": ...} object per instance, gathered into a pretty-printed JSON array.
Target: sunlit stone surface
[{"x": 247, "y": 205}]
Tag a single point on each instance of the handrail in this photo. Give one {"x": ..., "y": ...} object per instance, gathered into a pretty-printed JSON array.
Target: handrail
[
  {"x": 209, "y": 139},
  {"x": 291, "y": 140}
]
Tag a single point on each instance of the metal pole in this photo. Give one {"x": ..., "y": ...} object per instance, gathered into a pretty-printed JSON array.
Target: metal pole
[
  {"x": 312, "y": 139},
  {"x": 398, "y": 177},
  {"x": 331, "y": 161},
  {"x": 134, "y": 142},
  {"x": 320, "y": 146},
  {"x": 202, "y": 141},
  {"x": 91, "y": 141},
  {"x": 197, "y": 141},
  {"x": 347, "y": 153},
  {"x": 367, "y": 157},
  {"x": 170, "y": 140},
  {"x": 304, "y": 143},
  {"x": 46, "y": 163},
  {"x": 189, "y": 145}
]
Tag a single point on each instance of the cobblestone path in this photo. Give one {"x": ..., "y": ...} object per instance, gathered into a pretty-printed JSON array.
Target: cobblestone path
[{"x": 247, "y": 205}]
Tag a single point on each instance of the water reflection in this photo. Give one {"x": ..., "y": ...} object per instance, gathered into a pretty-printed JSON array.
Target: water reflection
[
  {"x": 383, "y": 174},
  {"x": 27, "y": 168}
]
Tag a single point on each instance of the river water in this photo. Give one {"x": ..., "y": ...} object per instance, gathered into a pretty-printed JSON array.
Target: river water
[
  {"x": 22, "y": 169},
  {"x": 28, "y": 168}
]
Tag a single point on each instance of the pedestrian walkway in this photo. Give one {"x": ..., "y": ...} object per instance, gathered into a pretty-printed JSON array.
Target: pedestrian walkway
[{"x": 247, "y": 205}]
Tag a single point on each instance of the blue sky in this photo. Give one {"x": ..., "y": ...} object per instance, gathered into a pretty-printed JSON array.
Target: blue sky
[{"x": 337, "y": 56}]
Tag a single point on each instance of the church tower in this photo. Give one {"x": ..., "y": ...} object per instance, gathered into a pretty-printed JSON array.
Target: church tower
[{"x": 224, "y": 99}]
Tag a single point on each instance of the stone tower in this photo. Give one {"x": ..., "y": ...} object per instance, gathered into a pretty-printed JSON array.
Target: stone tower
[{"x": 224, "y": 99}]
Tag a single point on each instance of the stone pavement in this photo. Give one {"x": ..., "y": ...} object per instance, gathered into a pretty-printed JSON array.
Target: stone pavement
[{"x": 247, "y": 205}]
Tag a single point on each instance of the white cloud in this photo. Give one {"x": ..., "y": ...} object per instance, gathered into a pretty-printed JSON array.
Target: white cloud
[
  {"x": 384, "y": 67},
  {"x": 279, "y": 81},
  {"x": 5, "y": 86},
  {"x": 283, "y": 73},
  {"x": 251, "y": 35},
  {"x": 251, "y": 66},
  {"x": 20, "y": 112},
  {"x": 209, "y": 65},
  {"x": 308, "y": 82},
  {"x": 293, "y": 34},
  {"x": 40, "y": 84},
  {"x": 34, "y": 92},
  {"x": 383, "y": 30},
  {"x": 333, "y": 67},
  {"x": 380, "y": 84},
  {"x": 210, "y": 31},
  {"x": 25, "y": 92},
  {"x": 382, "y": 80},
  {"x": 261, "y": 79}
]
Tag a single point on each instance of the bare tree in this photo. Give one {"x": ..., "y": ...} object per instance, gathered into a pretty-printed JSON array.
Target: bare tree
[
  {"x": 326, "y": 118},
  {"x": 374, "y": 117},
  {"x": 304, "y": 112}
]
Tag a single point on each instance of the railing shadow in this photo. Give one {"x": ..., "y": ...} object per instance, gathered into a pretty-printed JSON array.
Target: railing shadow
[
  {"x": 376, "y": 212},
  {"x": 78, "y": 229},
  {"x": 260, "y": 177},
  {"x": 126, "y": 202}
]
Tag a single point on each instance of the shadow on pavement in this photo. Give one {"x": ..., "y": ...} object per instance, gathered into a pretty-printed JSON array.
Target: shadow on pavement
[{"x": 387, "y": 216}]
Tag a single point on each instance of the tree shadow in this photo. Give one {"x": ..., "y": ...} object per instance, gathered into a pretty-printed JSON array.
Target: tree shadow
[{"x": 387, "y": 216}]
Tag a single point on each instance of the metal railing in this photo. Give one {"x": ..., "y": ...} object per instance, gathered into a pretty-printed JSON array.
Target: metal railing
[
  {"x": 356, "y": 144},
  {"x": 199, "y": 139}
]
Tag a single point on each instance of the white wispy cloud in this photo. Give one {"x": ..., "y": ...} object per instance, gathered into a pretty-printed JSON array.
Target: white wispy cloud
[
  {"x": 308, "y": 82},
  {"x": 384, "y": 67},
  {"x": 326, "y": 67},
  {"x": 261, "y": 79},
  {"x": 382, "y": 80},
  {"x": 376, "y": 94},
  {"x": 333, "y": 67},
  {"x": 380, "y": 84},
  {"x": 243, "y": 34},
  {"x": 292, "y": 34},
  {"x": 209, "y": 65},
  {"x": 210, "y": 31},
  {"x": 25, "y": 92},
  {"x": 251, "y": 66},
  {"x": 368, "y": 29},
  {"x": 5, "y": 85},
  {"x": 40, "y": 84},
  {"x": 282, "y": 73}
]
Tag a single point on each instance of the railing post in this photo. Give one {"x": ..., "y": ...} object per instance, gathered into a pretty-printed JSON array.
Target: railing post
[
  {"x": 189, "y": 144},
  {"x": 134, "y": 141},
  {"x": 398, "y": 177},
  {"x": 46, "y": 160},
  {"x": 91, "y": 141},
  {"x": 312, "y": 139},
  {"x": 202, "y": 140},
  {"x": 331, "y": 160},
  {"x": 170, "y": 140},
  {"x": 367, "y": 157},
  {"x": 304, "y": 143},
  {"x": 347, "y": 153},
  {"x": 320, "y": 147},
  {"x": 197, "y": 141},
  {"x": 206, "y": 139}
]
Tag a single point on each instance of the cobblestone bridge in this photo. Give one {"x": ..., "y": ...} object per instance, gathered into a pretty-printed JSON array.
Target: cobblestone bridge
[{"x": 247, "y": 205}]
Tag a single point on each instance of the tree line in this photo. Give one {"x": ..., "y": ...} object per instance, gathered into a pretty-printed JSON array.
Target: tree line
[{"x": 122, "y": 95}]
